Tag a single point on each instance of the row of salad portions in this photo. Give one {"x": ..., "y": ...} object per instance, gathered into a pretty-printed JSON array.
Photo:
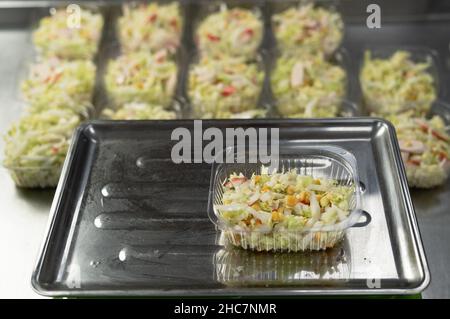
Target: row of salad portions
[
  {"x": 388, "y": 83},
  {"x": 233, "y": 32},
  {"x": 58, "y": 93},
  {"x": 225, "y": 82},
  {"x": 229, "y": 87}
]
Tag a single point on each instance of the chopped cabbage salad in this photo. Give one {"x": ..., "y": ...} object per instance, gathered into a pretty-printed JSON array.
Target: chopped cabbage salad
[
  {"x": 36, "y": 146},
  {"x": 232, "y": 32},
  {"x": 139, "y": 111},
  {"x": 277, "y": 210},
  {"x": 151, "y": 27},
  {"x": 425, "y": 149},
  {"x": 308, "y": 87},
  {"x": 57, "y": 84},
  {"x": 141, "y": 77},
  {"x": 56, "y": 37},
  {"x": 226, "y": 88},
  {"x": 396, "y": 84},
  {"x": 308, "y": 29}
]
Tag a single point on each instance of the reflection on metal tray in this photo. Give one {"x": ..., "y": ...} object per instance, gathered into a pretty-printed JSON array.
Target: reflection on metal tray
[
  {"x": 126, "y": 220},
  {"x": 244, "y": 268}
]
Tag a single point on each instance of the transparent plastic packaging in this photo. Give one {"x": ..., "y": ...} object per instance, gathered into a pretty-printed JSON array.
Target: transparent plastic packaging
[
  {"x": 311, "y": 41},
  {"x": 61, "y": 36},
  {"x": 318, "y": 162},
  {"x": 214, "y": 46},
  {"x": 223, "y": 106},
  {"x": 427, "y": 175},
  {"x": 339, "y": 106},
  {"x": 35, "y": 177},
  {"x": 386, "y": 106}
]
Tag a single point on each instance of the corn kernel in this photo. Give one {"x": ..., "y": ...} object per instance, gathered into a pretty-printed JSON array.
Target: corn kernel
[
  {"x": 290, "y": 200},
  {"x": 290, "y": 190}
]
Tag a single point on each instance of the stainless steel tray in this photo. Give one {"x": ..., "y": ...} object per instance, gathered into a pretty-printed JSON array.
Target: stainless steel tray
[{"x": 126, "y": 220}]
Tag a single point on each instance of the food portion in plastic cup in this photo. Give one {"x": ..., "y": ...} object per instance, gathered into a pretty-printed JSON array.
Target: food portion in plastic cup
[
  {"x": 225, "y": 88},
  {"x": 287, "y": 211},
  {"x": 308, "y": 29},
  {"x": 57, "y": 37},
  {"x": 308, "y": 86},
  {"x": 36, "y": 147},
  {"x": 141, "y": 77},
  {"x": 425, "y": 148},
  {"x": 397, "y": 83},
  {"x": 234, "y": 32},
  {"x": 150, "y": 28},
  {"x": 60, "y": 84}
]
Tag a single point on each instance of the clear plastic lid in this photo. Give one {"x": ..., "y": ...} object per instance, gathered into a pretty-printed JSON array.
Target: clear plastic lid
[{"x": 328, "y": 162}]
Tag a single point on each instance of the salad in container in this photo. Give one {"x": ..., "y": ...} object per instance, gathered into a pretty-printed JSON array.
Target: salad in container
[
  {"x": 225, "y": 88},
  {"x": 150, "y": 28},
  {"x": 36, "y": 147},
  {"x": 305, "y": 204},
  {"x": 60, "y": 36},
  {"x": 308, "y": 29},
  {"x": 58, "y": 84},
  {"x": 141, "y": 77},
  {"x": 397, "y": 83},
  {"x": 308, "y": 87},
  {"x": 425, "y": 148},
  {"x": 139, "y": 111},
  {"x": 234, "y": 32}
]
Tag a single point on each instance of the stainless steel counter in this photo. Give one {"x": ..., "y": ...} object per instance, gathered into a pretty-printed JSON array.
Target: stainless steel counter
[{"x": 23, "y": 214}]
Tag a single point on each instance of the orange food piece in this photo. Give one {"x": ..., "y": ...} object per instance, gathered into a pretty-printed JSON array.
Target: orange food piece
[
  {"x": 304, "y": 197},
  {"x": 277, "y": 216},
  {"x": 291, "y": 200},
  {"x": 290, "y": 190}
]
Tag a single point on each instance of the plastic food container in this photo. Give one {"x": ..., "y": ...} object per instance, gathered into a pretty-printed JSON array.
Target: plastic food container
[
  {"x": 343, "y": 107},
  {"x": 224, "y": 105},
  {"x": 326, "y": 43},
  {"x": 62, "y": 37},
  {"x": 35, "y": 177},
  {"x": 150, "y": 26},
  {"x": 425, "y": 174},
  {"x": 318, "y": 162},
  {"x": 214, "y": 46},
  {"x": 382, "y": 106}
]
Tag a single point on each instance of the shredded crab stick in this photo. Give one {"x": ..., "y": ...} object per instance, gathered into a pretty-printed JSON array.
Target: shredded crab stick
[
  {"x": 56, "y": 38},
  {"x": 308, "y": 29},
  {"x": 396, "y": 84},
  {"x": 36, "y": 147},
  {"x": 308, "y": 87},
  {"x": 281, "y": 205},
  {"x": 57, "y": 84},
  {"x": 227, "y": 88},
  {"x": 151, "y": 27},
  {"x": 139, "y": 111},
  {"x": 425, "y": 149},
  {"x": 232, "y": 32},
  {"x": 141, "y": 77}
]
